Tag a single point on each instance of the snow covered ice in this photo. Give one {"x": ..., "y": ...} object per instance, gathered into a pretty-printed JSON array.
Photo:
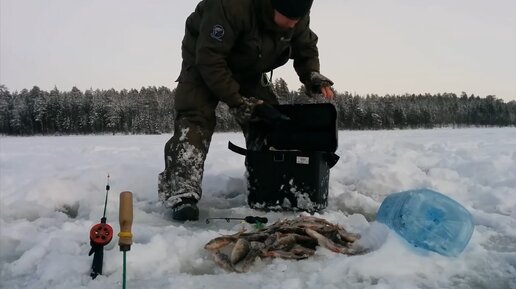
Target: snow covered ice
[{"x": 53, "y": 188}]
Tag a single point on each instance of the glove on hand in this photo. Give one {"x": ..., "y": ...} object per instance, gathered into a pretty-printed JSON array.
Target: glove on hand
[
  {"x": 316, "y": 82},
  {"x": 253, "y": 109},
  {"x": 245, "y": 111}
]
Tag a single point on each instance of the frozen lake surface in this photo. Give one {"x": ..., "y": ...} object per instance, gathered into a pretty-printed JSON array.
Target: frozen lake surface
[{"x": 53, "y": 189}]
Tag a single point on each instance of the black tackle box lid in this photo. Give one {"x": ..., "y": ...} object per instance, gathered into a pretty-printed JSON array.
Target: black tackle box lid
[{"x": 312, "y": 127}]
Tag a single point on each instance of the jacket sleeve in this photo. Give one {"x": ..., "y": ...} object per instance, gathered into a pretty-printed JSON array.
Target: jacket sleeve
[
  {"x": 304, "y": 50},
  {"x": 217, "y": 35}
]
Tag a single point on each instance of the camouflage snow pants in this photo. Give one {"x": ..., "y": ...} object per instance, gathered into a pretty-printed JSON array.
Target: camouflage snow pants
[{"x": 186, "y": 151}]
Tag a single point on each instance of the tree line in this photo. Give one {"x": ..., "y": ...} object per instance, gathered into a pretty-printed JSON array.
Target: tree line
[{"x": 150, "y": 110}]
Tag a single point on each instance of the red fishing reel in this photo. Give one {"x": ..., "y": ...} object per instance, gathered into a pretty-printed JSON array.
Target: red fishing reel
[{"x": 101, "y": 234}]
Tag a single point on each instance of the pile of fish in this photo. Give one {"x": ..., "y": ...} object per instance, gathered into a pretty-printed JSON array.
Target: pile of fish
[{"x": 288, "y": 239}]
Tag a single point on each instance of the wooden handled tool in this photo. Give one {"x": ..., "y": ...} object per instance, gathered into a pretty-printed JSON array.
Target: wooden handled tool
[{"x": 126, "y": 221}]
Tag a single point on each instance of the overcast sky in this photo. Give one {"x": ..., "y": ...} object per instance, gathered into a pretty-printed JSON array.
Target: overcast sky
[{"x": 366, "y": 46}]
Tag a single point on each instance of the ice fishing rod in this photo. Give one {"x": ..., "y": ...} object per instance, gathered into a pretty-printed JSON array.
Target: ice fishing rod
[
  {"x": 100, "y": 235},
  {"x": 248, "y": 219},
  {"x": 126, "y": 221}
]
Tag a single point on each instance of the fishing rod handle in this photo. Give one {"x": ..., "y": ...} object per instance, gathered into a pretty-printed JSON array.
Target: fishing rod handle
[
  {"x": 256, "y": 219},
  {"x": 262, "y": 220},
  {"x": 96, "y": 265},
  {"x": 126, "y": 221}
]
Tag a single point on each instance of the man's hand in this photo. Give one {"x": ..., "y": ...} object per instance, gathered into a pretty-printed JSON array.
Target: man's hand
[
  {"x": 245, "y": 111},
  {"x": 253, "y": 109},
  {"x": 320, "y": 84}
]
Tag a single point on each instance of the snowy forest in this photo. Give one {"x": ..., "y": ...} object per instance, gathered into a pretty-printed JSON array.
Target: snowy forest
[{"x": 150, "y": 110}]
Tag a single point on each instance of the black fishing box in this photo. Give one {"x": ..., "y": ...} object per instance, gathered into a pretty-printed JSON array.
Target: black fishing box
[{"x": 291, "y": 169}]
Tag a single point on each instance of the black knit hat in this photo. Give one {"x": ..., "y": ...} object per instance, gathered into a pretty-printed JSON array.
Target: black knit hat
[{"x": 293, "y": 9}]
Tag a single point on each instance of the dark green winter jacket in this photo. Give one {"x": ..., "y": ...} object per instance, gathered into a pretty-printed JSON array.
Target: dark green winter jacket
[{"x": 228, "y": 44}]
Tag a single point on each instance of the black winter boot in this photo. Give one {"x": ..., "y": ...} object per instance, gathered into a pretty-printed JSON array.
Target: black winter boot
[{"x": 186, "y": 210}]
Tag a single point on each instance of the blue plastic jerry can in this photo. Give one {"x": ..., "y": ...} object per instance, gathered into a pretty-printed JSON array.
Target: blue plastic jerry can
[{"x": 429, "y": 220}]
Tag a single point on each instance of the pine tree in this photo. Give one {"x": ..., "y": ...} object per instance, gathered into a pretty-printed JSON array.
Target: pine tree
[
  {"x": 280, "y": 87},
  {"x": 5, "y": 111}
]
